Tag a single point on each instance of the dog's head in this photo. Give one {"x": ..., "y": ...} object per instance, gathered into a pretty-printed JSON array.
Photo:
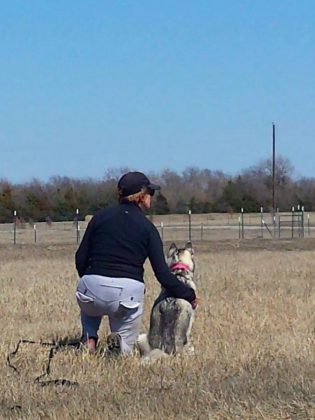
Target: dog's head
[{"x": 181, "y": 258}]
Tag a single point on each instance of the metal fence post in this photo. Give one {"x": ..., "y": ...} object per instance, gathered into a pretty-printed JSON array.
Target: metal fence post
[
  {"x": 292, "y": 216},
  {"x": 35, "y": 236},
  {"x": 201, "y": 231},
  {"x": 274, "y": 225},
  {"x": 302, "y": 221},
  {"x": 14, "y": 227},
  {"x": 189, "y": 224},
  {"x": 242, "y": 218},
  {"x": 261, "y": 222},
  {"x": 239, "y": 227},
  {"x": 299, "y": 220},
  {"x": 77, "y": 225},
  {"x": 279, "y": 225},
  {"x": 278, "y": 222},
  {"x": 162, "y": 230},
  {"x": 308, "y": 225}
]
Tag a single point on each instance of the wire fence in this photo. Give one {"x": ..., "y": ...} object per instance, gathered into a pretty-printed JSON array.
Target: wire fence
[{"x": 201, "y": 227}]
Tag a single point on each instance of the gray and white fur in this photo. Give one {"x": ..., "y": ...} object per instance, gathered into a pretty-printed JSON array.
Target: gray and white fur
[{"x": 171, "y": 318}]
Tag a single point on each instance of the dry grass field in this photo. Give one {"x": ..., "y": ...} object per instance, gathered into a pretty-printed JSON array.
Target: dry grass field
[{"x": 254, "y": 334}]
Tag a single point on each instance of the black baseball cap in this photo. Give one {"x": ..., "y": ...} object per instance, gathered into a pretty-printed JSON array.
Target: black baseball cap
[{"x": 133, "y": 182}]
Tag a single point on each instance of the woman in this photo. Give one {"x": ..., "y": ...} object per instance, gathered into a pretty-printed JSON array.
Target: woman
[{"x": 110, "y": 263}]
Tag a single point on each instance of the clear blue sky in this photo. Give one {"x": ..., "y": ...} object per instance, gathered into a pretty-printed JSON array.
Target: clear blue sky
[{"x": 88, "y": 85}]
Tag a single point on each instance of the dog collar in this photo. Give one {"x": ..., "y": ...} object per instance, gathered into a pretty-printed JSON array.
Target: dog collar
[{"x": 180, "y": 266}]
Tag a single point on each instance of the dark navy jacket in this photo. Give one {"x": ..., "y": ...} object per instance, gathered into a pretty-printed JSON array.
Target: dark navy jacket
[{"x": 117, "y": 242}]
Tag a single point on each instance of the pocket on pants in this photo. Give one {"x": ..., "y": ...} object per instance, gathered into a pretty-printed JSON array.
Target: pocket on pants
[
  {"x": 129, "y": 304},
  {"x": 129, "y": 309},
  {"x": 83, "y": 298}
]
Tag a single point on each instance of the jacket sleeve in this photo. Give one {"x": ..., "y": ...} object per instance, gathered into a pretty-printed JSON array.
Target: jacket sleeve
[
  {"x": 162, "y": 272},
  {"x": 82, "y": 254}
]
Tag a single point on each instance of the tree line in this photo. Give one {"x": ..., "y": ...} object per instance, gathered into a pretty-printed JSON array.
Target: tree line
[{"x": 200, "y": 190}]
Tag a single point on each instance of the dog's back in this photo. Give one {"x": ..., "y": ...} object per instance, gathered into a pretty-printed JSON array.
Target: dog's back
[
  {"x": 171, "y": 318},
  {"x": 170, "y": 325}
]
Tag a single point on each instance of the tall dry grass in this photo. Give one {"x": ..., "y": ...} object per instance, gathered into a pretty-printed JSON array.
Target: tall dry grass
[{"x": 254, "y": 335}]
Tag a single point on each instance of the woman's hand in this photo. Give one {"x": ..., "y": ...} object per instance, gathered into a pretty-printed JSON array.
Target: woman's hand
[{"x": 195, "y": 302}]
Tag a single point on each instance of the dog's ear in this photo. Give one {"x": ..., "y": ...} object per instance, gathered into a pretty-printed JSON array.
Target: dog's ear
[
  {"x": 189, "y": 247},
  {"x": 172, "y": 250}
]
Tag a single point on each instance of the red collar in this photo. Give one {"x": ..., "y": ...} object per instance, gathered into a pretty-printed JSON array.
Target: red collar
[{"x": 180, "y": 266}]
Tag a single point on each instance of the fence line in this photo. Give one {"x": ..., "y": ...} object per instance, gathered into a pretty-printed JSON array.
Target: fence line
[{"x": 289, "y": 225}]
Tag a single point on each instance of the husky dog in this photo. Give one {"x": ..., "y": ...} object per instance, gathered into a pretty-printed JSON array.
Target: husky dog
[{"x": 171, "y": 318}]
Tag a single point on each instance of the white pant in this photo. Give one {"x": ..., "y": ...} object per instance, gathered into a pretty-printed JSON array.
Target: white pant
[{"x": 121, "y": 299}]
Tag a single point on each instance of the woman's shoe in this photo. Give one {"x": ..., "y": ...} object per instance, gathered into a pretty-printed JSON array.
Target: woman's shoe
[
  {"x": 91, "y": 345},
  {"x": 113, "y": 345}
]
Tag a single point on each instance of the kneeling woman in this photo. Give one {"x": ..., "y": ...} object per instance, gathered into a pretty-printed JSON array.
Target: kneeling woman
[{"x": 110, "y": 262}]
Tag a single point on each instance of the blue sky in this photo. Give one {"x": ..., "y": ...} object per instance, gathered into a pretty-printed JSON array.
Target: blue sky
[{"x": 91, "y": 85}]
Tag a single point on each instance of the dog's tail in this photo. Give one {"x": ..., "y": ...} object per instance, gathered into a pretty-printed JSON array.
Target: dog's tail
[
  {"x": 154, "y": 356},
  {"x": 147, "y": 354}
]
